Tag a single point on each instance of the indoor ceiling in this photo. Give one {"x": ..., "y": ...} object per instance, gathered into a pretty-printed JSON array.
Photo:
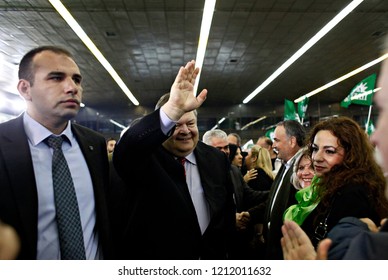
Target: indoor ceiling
[{"x": 147, "y": 41}]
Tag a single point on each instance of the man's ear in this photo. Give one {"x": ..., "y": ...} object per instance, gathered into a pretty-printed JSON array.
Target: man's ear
[
  {"x": 293, "y": 141},
  {"x": 24, "y": 89}
]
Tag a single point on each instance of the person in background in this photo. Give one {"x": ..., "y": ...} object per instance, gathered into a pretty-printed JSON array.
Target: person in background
[
  {"x": 289, "y": 137},
  {"x": 258, "y": 162},
  {"x": 303, "y": 170},
  {"x": 235, "y": 156},
  {"x": 217, "y": 138},
  {"x": 234, "y": 138},
  {"x": 267, "y": 143},
  {"x": 351, "y": 238},
  {"x": 51, "y": 84},
  {"x": 110, "y": 146},
  {"x": 245, "y": 198},
  {"x": 180, "y": 198},
  {"x": 346, "y": 175}
]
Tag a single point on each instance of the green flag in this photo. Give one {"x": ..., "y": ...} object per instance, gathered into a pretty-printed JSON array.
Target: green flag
[
  {"x": 362, "y": 93},
  {"x": 289, "y": 111},
  {"x": 302, "y": 107},
  {"x": 270, "y": 132},
  {"x": 371, "y": 128}
]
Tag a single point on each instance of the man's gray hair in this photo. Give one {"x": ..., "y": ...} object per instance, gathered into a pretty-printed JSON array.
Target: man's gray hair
[{"x": 215, "y": 133}]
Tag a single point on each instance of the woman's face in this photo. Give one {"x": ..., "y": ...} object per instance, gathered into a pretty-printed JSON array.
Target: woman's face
[
  {"x": 237, "y": 158},
  {"x": 305, "y": 172},
  {"x": 326, "y": 152}
]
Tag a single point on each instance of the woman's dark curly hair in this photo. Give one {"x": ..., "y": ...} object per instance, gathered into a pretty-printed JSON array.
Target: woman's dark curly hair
[{"x": 358, "y": 166}]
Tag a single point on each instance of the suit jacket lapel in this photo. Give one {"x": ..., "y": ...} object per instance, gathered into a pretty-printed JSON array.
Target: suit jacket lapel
[
  {"x": 90, "y": 151},
  {"x": 205, "y": 172},
  {"x": 94, "y": 152},
  {"x": 283, "y": 194},
  {"x": 274, "y": 187}
]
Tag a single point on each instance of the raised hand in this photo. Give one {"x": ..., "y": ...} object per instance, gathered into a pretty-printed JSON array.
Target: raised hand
[
  {"x": 182, "y": 98},
  {"x": 296, "y": 245}
]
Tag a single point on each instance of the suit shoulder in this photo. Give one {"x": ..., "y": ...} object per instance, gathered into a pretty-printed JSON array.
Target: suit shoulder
[
  {"x": 82, "y": 130},
  {"x": 12, "y": 122},
  {"x": 202, "y": 147}
]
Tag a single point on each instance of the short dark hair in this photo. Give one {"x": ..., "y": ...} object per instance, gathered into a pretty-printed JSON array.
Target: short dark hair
[
  {"x": 295, "y": 129},
  {"x": 237, "y": 137},
  {"x": 26, "y": 67}
]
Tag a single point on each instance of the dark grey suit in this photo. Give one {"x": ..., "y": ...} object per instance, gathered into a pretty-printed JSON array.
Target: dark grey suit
[
  {"x": 18, "y": 192},
  {"x": 285, "y": 198},
  {"x": 162, "y": 221}
]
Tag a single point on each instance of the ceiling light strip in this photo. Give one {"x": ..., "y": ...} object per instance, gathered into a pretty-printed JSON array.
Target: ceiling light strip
[
  {"x": 118, "y": 124},
  {"x": 344, "y": 77},
  {"x": 207, "y": 18},
  {"x": 61, "y": 9},
  {"x": 341, "y": 15}
]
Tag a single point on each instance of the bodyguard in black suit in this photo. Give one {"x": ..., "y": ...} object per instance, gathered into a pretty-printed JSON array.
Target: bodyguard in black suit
[
  {"x": 50, "y": 82},
  {"x": 175, "y": 212}
]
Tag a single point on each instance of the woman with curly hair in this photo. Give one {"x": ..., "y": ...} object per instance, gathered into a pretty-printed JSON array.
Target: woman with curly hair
[{"x": 348, "y": 181}]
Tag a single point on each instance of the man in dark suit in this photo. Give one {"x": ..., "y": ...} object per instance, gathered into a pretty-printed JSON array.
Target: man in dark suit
[
  {"x": 245, "y": 199},
  {"x": 176, "y": 212},
  {"x": 288, "y": 140},
  {"x": 50, "y": 83}
]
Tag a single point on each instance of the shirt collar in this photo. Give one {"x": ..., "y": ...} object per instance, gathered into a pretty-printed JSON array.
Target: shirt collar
[
  {"x": 36, "y": 132},
  {"x": 191, "y": 158},
  {"x": 290, "y": 161}
]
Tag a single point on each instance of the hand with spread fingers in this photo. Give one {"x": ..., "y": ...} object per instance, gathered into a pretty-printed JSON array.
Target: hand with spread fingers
[
  {"x": 250, "y": 175},
  {"x": 296, "y": 245},
  {"x": 182, "y": 97}
]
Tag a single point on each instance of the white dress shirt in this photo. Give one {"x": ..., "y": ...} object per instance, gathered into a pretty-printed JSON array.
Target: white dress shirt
[
  {"x": 193, "y": 179},
  {"x": 48, "y": 241}
]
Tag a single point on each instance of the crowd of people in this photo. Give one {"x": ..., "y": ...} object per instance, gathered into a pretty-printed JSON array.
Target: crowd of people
[{"x": 159, "y": 192}]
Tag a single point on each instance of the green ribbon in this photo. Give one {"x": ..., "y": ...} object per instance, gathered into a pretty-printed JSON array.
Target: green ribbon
[{"x": 307, "y": 201}]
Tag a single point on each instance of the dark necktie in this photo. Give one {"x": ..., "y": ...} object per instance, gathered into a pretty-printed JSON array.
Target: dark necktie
[
  {"x": 70, "y": 233},
  {"x": 275, "y": 189},
  {"x": 182, "y": 160}
]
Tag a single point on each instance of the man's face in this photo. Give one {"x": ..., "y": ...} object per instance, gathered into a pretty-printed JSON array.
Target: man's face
[
  {"x": 56, "y": 92},
  {"x": 111, "y": 146},
  {"x": 185, "y": 137},
  {"x": 221, "y": 144},
  {"x": 232, "y": 140},
  {"x": 379, "y": 137},
  {"x": 261, "y": 142},
  {"x": 283, "y": 144}
]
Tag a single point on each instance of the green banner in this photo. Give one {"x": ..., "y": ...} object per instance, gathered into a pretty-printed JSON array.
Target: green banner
[
  {"x": 270, "y": 133},
  {"x": 289, "y": 111},
  {"x": 302, "y": 108},
  {"x": 362, "y": 93}
]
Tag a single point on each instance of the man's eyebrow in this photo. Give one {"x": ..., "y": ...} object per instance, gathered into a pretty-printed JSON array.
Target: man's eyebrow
[{"x": 56, "y": 73}]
